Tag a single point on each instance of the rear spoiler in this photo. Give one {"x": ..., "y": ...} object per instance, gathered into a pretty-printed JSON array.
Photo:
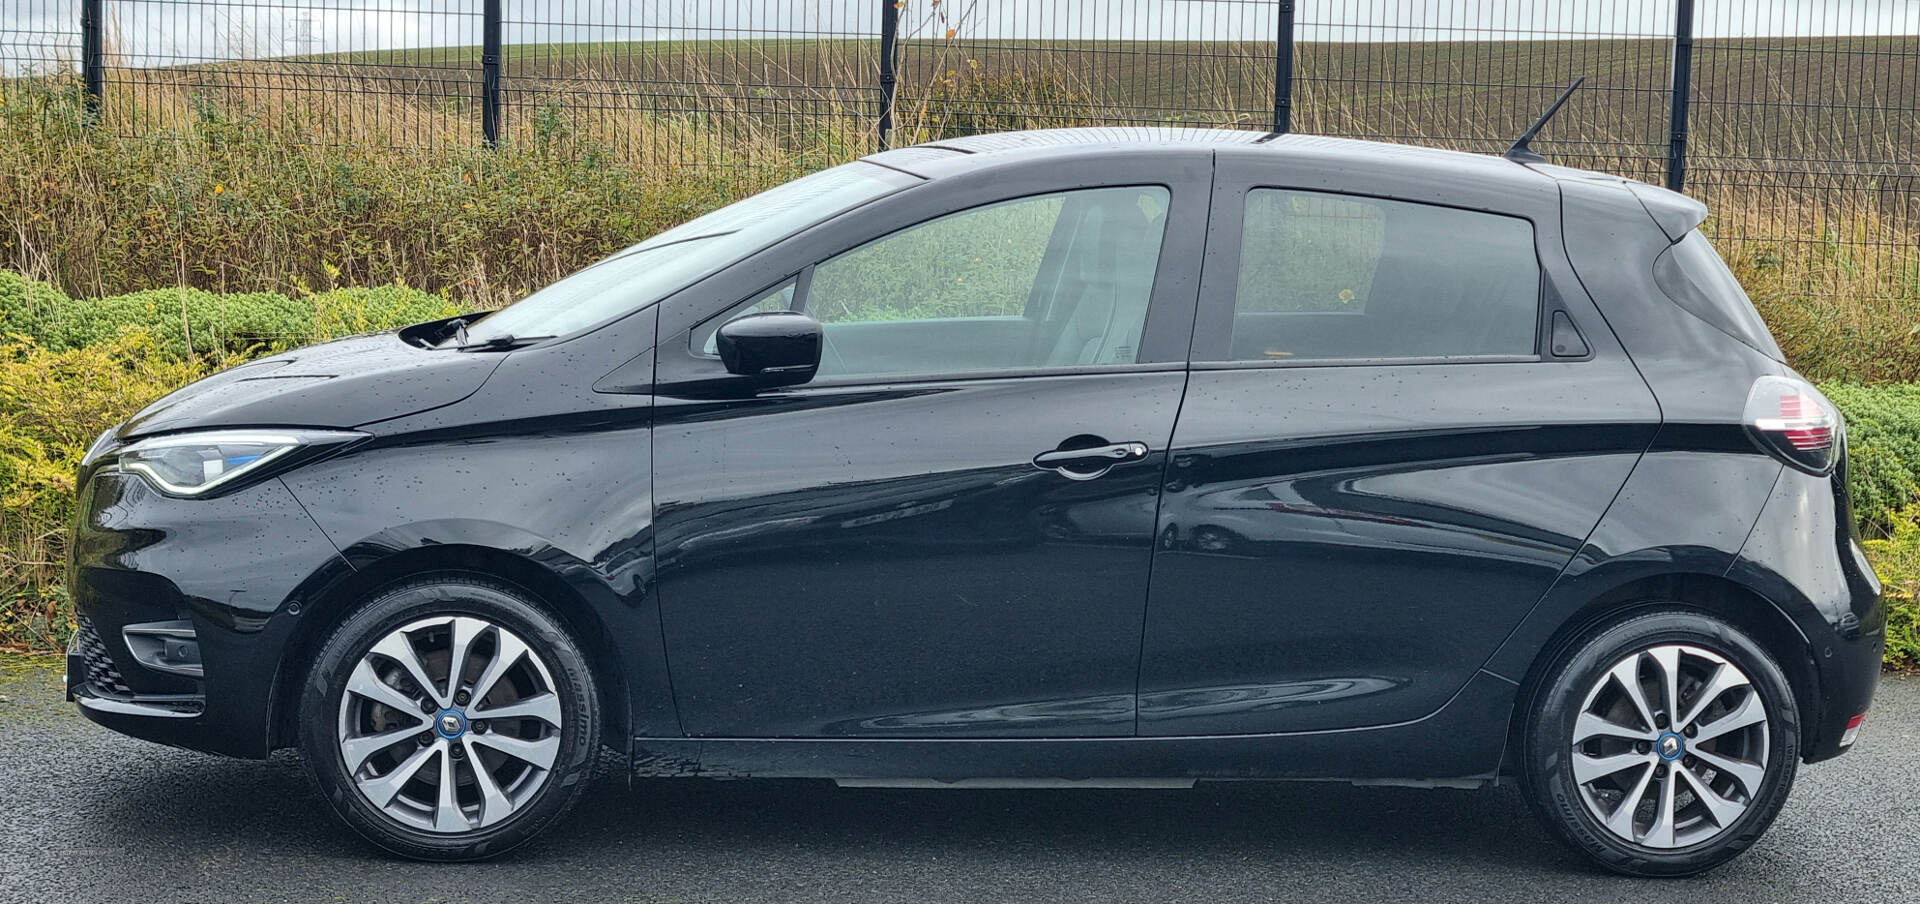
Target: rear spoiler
[{"x": 1675, "y": 213}]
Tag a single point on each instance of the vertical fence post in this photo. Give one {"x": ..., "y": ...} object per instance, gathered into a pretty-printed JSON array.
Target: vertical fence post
[
  {"x": 1681, "y": 85},
  {"x": 490, "y": 72},
  {"x": 1283, "y": 71},
  {"x": 889, "y": 33},
  {"x": 93, "y": 54}
]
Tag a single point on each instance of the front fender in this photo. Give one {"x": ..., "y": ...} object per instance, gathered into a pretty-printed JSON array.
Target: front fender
[{"x": 485, "y": 498}]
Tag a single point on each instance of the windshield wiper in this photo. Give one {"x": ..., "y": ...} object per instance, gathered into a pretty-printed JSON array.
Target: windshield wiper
[{"x": 497, "y": 343}]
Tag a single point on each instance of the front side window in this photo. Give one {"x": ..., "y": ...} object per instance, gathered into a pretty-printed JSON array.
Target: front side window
[
  {"x": 1335, "y": 276},
  {"x": 1059, "y": 280}
]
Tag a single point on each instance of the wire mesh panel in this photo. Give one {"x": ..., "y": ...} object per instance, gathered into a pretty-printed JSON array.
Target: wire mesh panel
[
  {"x": 1473, "y": 74},
  {"x": 39, "y": 37},
  {"x": 690, "y": 81},
  {"x": 1802, "y": 123},
  {"x": 389, "y": 72},
  {"x": 1802, "y": 133},
  {"x": 991, "y": 65}
]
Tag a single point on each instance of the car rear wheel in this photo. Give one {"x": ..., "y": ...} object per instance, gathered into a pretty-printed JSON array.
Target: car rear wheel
[
  {"x": 1661, "y": 745},
  {"x": 449, "y": 718}
]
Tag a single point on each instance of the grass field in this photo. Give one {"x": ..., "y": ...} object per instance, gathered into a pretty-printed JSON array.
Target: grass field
[
  {"x": 1841, "y": 88},
  {"x": 1837, "y": 91}
]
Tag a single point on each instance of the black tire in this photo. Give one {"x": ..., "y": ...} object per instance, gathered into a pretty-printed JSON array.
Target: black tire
[
  {"x": 1546, "y": 744},
  {"x": 450, "y": 595}
]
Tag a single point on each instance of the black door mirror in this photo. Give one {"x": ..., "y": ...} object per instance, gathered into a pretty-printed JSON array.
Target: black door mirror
[{"x": 781, "y": 348}]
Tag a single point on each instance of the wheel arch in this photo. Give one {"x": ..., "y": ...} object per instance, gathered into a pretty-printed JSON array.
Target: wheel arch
[
  {"x": 330, "y": 606},
  {"x": 1715, "y": 595}
]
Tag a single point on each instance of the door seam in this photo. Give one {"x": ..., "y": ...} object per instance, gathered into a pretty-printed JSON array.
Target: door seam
[{"x": 1173, "y": 430}]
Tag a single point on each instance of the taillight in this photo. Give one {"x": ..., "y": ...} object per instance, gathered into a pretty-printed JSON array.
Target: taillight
[{"x": 1794, "y": 421}]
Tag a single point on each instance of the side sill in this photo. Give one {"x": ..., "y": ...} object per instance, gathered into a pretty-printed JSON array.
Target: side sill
[{"x": 1459, "y": 745}]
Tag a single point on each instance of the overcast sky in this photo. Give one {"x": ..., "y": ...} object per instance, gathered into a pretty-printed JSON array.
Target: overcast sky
[{"x": 38, "y": 33}]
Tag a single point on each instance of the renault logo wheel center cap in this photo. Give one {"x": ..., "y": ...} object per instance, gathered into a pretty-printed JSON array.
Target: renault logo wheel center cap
[{"x": 450, "y": 724}]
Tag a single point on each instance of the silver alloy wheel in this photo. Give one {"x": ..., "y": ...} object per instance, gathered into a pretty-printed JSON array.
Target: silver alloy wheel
[
  {"x": 449, "y": 724},
  {"x": 1670, "y": 747}
]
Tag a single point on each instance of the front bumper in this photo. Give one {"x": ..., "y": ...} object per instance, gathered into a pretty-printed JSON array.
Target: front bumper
[{"x": 207, "y": 587}]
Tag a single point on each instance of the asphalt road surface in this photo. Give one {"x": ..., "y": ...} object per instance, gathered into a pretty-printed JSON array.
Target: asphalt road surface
[{"x": 93, "y": 816}]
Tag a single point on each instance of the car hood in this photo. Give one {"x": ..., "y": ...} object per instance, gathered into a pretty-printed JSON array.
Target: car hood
[{"x": 344, "y": 383}]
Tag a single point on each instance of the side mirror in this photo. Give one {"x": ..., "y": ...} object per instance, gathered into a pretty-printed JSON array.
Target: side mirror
[{"x": 781, "y": 348}]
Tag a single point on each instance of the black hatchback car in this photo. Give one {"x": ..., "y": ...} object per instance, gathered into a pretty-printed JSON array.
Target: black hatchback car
[{"x": 1086, "y": 457}]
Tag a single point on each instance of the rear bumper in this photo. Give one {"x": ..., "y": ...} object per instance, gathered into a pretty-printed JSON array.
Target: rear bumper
[
  {"x": 1803, "y": 556},
  {"x": 205, "y": 585}
]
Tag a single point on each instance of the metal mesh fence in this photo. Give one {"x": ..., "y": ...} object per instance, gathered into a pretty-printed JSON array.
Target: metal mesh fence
[
  {"x": 992, "y": 66},
  {"x": 1805, "y": 118},
  {"x": 39, "y": 37},
  {"x": 396, "y": 72},
  {"x": 686, "y": 79},
  {"x": 1801, "y": 115},
  {"x": 1473, "y": 75}
]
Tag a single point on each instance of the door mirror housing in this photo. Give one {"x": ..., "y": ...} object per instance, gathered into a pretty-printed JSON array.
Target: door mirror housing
[{"x": 780, "y": 348}]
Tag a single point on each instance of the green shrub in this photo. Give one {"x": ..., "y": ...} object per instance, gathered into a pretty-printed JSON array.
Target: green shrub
[
  {"x": 187, "y": 321},
  {"x": 52, "y": 405},
  {"x": 220, "y": 327},
  {"x": 1883, "y": 452},
  {"x": 27, "y": 307},
  {"x": 1897, "y": 560}
]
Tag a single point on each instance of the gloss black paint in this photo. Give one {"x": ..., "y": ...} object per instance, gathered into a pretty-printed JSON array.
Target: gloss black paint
[{"x": 1346, "y": 569}]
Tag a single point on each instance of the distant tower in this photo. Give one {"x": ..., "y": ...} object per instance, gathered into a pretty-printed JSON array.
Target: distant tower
[{"x": 300, "y": 38}]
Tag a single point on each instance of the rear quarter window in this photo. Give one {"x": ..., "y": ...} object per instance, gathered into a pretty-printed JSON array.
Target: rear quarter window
[{"x": 1694, "y": 276}]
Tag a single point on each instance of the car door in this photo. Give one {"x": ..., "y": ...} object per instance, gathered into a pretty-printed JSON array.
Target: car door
[
  {"x": 947, "y": 533},
  {"x": 1404, "y": 418}
]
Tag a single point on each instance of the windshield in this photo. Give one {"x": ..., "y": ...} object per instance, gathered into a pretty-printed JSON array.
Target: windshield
[{"x": 645, "y": 273}]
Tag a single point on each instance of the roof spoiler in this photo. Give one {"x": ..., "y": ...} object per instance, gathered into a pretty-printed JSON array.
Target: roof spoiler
[
  {"x": 1520, "y": 152},
  {"x": 1675, "y": 213}
]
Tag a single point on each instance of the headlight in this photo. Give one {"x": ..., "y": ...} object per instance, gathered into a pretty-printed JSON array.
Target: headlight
[{"x": 192, "y": 464}]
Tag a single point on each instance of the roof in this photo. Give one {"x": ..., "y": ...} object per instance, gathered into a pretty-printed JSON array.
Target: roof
[{"x": 948, "y": 155}]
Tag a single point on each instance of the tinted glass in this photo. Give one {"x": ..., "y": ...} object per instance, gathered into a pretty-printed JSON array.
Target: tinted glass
[
  {"x": 1336, "y": 276},
  {"x": 1059, "y": 280},
  {"x": 1698, "y": 280},
  {"x": 672, "y": 260}
]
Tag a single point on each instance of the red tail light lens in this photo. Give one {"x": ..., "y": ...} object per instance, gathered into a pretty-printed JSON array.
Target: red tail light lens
[
  {"x": 1794, "y": 421},
  {"x": 1852, "y": 731}
]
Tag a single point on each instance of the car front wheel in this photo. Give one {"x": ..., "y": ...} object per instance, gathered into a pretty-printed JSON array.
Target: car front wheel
[
  {"x": 1661, "y": 745},
  {"x": 449, "y": 718}
]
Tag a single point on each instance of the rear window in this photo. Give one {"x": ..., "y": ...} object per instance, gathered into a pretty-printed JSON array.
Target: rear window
[{"x": 1695, "y": 277}]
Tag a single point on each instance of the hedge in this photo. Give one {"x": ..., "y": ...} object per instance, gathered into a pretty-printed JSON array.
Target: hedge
[
  {"x": 1883, "y": 451},
  {"x": 193, "y": 322}
]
